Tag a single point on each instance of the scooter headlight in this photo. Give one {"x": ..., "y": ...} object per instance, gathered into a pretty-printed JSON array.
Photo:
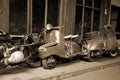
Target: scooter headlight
[
  {"x": 42, "y": 49},
  {"x": 84, "y": 49},
  {"x": 48, "y": 26}
]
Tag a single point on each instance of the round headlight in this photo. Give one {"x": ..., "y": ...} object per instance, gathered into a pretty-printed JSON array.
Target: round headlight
[
  {"x": 42, "y": 49},
  {"x": 48, "y": 26}
]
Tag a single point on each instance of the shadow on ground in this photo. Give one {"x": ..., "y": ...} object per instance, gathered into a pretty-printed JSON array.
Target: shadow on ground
[{"x": 13, "y": 70}]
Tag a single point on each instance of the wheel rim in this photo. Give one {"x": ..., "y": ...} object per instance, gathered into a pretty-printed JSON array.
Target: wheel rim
[
  {"x": 49, "y": 63},
  {"x": 113, "y": 54}
]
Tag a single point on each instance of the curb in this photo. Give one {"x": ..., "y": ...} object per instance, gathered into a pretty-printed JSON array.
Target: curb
[{"x": 78, "y": 72}]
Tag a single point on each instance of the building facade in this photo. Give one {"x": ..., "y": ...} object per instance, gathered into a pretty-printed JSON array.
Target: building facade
[
  {"x": 115, "y": 16},
  {"x": 31, "y": 16}
]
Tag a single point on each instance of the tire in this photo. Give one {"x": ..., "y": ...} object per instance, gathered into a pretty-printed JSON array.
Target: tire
[
  {"x": 33, "y": 64},
  {"x": 113, "y": 54},
  {"x": 2, "y": 65},
  {"x": 88, "y": 57},
  {"x": 49, "y": 63}
]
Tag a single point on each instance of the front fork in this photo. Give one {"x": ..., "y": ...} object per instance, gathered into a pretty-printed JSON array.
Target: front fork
[
  {"x": 2, "y": 64},
  {"x": 89, "y": 56}
]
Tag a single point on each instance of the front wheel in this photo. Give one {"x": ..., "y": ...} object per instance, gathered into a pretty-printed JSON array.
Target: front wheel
[
  {"x": 49, "y": 63},
  {"x": 89, "y": 56},
  {"x": 2, "y": 65},
  {"x": 113, "y": 54}
]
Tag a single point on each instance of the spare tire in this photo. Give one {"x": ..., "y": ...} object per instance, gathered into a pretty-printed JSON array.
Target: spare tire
[{"x": 71, "y": 48}]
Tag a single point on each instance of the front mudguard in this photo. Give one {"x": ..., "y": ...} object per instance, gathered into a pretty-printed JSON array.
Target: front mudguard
[
  {"x": 51, "y": 49},
  {"x": 67, "y": 50}
]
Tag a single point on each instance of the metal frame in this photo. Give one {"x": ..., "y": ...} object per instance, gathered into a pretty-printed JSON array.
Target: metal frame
[{"x": 92, "y": 15}]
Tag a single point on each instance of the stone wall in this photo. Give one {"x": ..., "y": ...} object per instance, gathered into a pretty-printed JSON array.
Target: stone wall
[
  {"x": 4, "y": 15},
  {"x": 115, "y": 2}
]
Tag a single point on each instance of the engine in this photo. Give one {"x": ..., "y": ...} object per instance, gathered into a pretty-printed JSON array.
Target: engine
[
  {"x": 2, "y": 49},
  {"x": 15, "y": 57}
]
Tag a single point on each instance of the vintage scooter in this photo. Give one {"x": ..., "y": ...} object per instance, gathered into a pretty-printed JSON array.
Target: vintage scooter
[
  {"x": 57, "y": 47},
  {"x": 24, "y": 54},
  {"x": 98, "y": 43}
]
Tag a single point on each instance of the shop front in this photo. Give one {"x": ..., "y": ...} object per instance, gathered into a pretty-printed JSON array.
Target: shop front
[
  {"x": 91, "y": 15},
  {"x": 77, "y": 16},
  {"x": 30, "y": 16},
  {"x": 115, "y": 16}
]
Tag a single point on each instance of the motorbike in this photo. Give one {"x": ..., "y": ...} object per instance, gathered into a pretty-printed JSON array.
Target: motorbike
[
  {"x": 99, "y": 43},
  {"x": 23, "y": 54},
  {"x": 58, "y": 47}
]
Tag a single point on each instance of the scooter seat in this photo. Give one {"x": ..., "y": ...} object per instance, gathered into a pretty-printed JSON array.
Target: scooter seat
[{"x": 50, "y": 44}]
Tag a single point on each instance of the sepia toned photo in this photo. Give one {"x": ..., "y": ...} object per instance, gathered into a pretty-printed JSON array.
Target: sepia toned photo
[{"x": 59, "y": 39}]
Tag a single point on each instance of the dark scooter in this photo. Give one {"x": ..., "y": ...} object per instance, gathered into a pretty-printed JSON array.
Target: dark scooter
[
  {"x": 57, "y": 47},
  {"x": 23, "y": 54}
]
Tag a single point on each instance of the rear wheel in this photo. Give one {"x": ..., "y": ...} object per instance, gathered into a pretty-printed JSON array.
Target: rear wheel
[
  {"x": 49, "y": 62},
  {"x": 113, "y": 54}
]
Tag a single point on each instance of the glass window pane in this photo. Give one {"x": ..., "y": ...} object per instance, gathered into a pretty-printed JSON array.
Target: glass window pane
[
  {"x": 38, "y": 15},
  {"x": 88, "y": 2},
  {"x": 118, "y": 36},
  {"x": 78, "y": 19},
  {"x": 87, "y": 20},
  {"x": 18, "y": 16},
  {"x": 97, "y": 3},
  {"x": 79, "y": 1},
  {"x": 53, "y": 12},
  {"x": 96, "y": 20}
]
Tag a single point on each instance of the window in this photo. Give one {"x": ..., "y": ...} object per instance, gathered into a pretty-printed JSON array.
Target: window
[
  {"x": 18, "y": 16},
  {"x": 97, "y": 4},
  {"x": 87, "y": 20},
  {"x": 96, "y": 20},
  {"x": 88, "y": 3},
  {"x": 115, "y": 20},
  {"x": 88, "y": 15},
  {"x": 79, "y": 1},
  {"x": 53, "y": 12},
  {"x": 20, "y": 23},
  {"x": 39, "y": 14},
  {"x": 78, "y": 20}
]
